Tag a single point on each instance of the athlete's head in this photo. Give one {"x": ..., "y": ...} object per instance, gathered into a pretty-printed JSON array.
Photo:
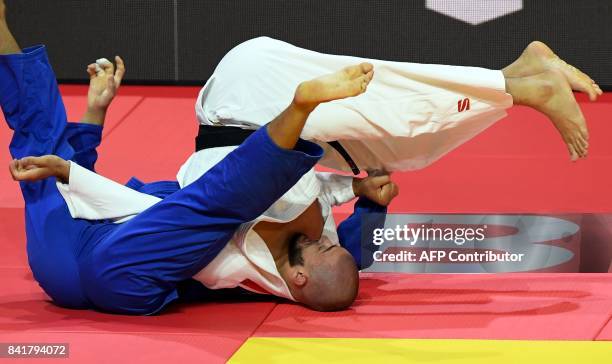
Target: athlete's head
[{"x": 321, "y": 275}]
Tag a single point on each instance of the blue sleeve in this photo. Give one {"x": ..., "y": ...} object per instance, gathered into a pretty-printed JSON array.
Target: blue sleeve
[
  {"x": 236, "y": 190},
  {"x": 32, "y": 105},
  {"x": 253, "y": 176},
  {"x": 350, "y": 231},
  {"x": 84, "y": 139}
]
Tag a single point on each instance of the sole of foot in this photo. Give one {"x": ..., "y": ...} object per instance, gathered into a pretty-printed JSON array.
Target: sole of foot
[
  {"x": 538, "y": 57},
  {"x": 348, "y": 82},
  {"x": 553, "y": 96}
]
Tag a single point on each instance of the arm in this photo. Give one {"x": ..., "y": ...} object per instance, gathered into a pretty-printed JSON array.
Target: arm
[
  {"x": 376, "y": 192},
  {"x": 94, "y": 197},
  {"x": 338, "y": 189},
  {"x": 104, "y": 81},
  {"x": 87, "y": 194},
  {"x": 85, "y": 137},
  {"x": 350, "y": 231},
  {"x": 253, "y": 176}
]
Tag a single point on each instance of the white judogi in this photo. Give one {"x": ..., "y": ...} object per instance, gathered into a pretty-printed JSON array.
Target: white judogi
[
  {"x": 410, "y": 115},
  {"x": 246, "y": 260}
]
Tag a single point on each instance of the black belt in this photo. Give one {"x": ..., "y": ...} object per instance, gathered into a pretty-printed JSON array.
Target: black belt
[{"x": 223, "y": 136}]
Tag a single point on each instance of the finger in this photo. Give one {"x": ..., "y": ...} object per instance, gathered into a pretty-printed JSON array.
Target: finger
[
  {"x": 386, "y": 194},
  {"x": 120, "y": 70},
  {"x": 13, "y": 169},
  {"x": 99, "y": 70},
  {"x": 91, "y": 71},
  {"x": 23, "y": 174},
  {"x": 375, "y": 172},
  {"x": 378, "y": 181},
  {"x": 111, "y": 86},
  {"x": 394, "y": 190},
  {"x": 106, "y": 65},
  {"x": 29, "y": 162},
  {"x": 31, "y": 175}
]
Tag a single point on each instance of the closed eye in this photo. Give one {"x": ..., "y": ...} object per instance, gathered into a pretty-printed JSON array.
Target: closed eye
[{"x": 330, "y": 247}]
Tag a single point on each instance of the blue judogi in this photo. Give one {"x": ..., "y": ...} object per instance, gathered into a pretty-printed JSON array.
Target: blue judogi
[{"x": 134, "y": 267}]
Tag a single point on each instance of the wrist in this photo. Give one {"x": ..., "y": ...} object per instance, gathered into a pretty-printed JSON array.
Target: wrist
[
  {"x": 62, "y": 170},
  {"x": 94, "y": 115}
]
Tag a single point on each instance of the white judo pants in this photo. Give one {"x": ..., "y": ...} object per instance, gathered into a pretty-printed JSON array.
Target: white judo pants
[{"x": 410, "y": 116}]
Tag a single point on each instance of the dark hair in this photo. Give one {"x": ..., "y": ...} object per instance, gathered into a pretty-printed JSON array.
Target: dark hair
[{"x": 295, "y": 251}]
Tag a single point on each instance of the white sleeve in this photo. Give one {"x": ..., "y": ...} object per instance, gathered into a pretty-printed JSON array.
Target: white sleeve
[
  {"x": 336, "y": 189},
  {"x": 94, "y": 197}
]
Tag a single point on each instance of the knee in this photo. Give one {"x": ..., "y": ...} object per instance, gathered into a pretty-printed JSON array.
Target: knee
[
  {"x": 113, "y": 288},
  {"x": 254, "y": 47}
]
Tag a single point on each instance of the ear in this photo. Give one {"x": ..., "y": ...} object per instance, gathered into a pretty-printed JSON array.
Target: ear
[{"x": 299, "y": 277}]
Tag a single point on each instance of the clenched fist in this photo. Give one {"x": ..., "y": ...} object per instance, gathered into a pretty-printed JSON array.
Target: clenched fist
[{"x": 377, "y": 188}]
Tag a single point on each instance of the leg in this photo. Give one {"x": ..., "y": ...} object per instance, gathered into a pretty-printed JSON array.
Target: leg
[
  {"x": 538, "y": 58},
  {"x": 411, "y": 116},
  {"x": 549, "y": 93},
  {"x": 543, "y": 81},
  {"x": 407, "y": 119},
  {"x": 33, "y": 108}
]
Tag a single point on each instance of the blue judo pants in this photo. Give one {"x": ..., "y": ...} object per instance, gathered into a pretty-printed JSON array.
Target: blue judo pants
[{"x": 134, "y": 267}]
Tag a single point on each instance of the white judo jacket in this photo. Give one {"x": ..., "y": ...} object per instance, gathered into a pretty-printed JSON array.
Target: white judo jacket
[{"x": 245, "y": 261}]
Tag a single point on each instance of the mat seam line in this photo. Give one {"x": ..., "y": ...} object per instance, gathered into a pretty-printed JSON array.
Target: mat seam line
[
  {"x": 111, "y": 130},
  {"x": 602, "y": 327},
  {"x": 254, "y": 330}
]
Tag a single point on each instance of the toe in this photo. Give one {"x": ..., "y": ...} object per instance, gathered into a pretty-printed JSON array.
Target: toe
[
  {"x": 588, "y": 88},
  {"x": 584, "y": 132},
  {"x": 572, "y": 152},
  {"x": 366, "y": 67},
  {"x": 362, "y": 84},
  {"x": 579, "y": 148},
  {"x": 353, "y": 71},
  {"x": 583, "y": 142}
]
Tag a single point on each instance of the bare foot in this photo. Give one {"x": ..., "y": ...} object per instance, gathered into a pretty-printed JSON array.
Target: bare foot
[
  {"x": 549, "y": 93},
  {"x": 538, "y": 57},
  {"x": 350, "y": 81},
  {"x": 2, "y": 10}
]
